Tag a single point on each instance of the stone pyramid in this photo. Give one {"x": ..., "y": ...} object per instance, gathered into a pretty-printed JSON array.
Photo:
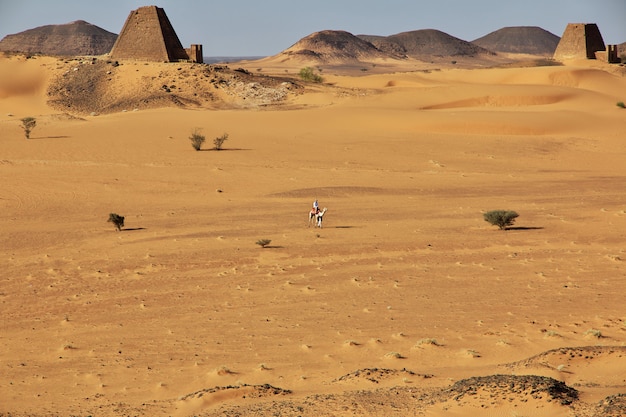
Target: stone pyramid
[
  {"x": 148, "y": 35},
  {"x": 580, "y": 41}
]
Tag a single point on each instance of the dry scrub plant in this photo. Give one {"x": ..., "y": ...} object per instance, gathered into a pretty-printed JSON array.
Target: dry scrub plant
[
  {"x": 117, "y": 220},
  {"x": 219, "y": 141},
  {"x": 307, "y": 74},
  {"x": 28, "y": 124},
  {"x": 263, "y": 242},
  {"x": 428, "y": 341},
  {"x": 197, "y": 139},
  {"x": 501, "y": 218}
]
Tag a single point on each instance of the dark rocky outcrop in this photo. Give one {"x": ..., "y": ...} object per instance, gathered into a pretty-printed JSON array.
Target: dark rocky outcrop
[
  {"x": 71, "y": 39},
  {"x": 531, "y": 40},
  {"x": 426, "y": 42}
]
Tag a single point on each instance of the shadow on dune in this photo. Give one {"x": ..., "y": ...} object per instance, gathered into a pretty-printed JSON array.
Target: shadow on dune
[
  {"x": 524, "y": 228},
  {"x": 224, "y": 149},
  {"x": 133, "y": 229},
  {"x": 345, "y": 227},
  {"x": 49, "y": 137}
]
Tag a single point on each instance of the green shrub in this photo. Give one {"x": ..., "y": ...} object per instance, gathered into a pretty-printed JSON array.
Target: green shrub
[
  {"x": 501, "y": 218},
  {"x": 308, "y": 74},
  {"x": 197, "y": 139},
  {"x": 219, "y": 141},
  {"x": 621, "y": 104},
  {"x": 28, "y": 124},
  {"x": 117, "y": 220}
]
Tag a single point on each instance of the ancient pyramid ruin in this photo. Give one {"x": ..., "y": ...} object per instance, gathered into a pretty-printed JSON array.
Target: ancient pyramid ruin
[
  {"x": 584, "y": 41},
  {"x": 148, "y": 35}
]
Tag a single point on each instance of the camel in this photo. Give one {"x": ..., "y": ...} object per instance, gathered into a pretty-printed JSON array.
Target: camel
[
  {"x": 320, "y": 216},
  {"x": 315, "y": 216}
]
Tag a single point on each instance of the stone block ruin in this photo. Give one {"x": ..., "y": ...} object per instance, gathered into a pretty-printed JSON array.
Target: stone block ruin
[
  {"x": 584, "y": 41},
  {"x": 148, "y": 35}
]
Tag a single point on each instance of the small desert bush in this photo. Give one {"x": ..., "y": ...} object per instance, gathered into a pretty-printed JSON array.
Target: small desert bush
[
  {"x": 472, "y": 353},
  {"x": 219, "y": 141},
  {"x": 117, "y": 220},
  {"x": 552, "y": 333},
  {"x": 197, "y": 139},
  {"x": 308, "y": 74},
  {"x": 263, "y": 242},
  {"x": 594, "y": 333},
  {"x": 28, "y": 124},
  {"x": 621, "y": 104},
  {"x": 223, "y": 370},
  {"x": 393, "y": 355},
  {"x": 427, "y": 341},
  {"x": 501, "y": 218}
]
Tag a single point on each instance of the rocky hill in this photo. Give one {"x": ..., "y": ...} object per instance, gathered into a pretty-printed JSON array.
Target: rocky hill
[
  {"x": 81, "y": 86},
  {"x": 520, "y": 40},
  {"x": 421, "y": 44},
  {"x": 71, "y": 39},
  {"x": 332, "y": 47}
]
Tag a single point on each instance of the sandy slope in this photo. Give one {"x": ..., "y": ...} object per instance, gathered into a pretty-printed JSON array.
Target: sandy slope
[{"x": 405, "y": 291}]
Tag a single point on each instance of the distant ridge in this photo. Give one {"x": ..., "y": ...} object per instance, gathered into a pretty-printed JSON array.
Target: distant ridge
[
  {"x": 230, "y": 59},
  {"x": 75, "y": 38},
  {"x": 423, "y": 43},
  {"x": 520, "y": 40},
  {"x": 335, "y": 47}
]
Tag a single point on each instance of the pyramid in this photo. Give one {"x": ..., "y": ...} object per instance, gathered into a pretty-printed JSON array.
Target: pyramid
[
  {"x": 580, "y": 41},
  {"x": 148, "y": 35}
]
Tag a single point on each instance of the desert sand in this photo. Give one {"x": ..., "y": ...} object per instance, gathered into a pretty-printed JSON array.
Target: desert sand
[{"x": 405, "y": 303}]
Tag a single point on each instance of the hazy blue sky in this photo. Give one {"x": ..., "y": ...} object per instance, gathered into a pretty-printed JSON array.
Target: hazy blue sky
[{"x": 266, "y": 27}]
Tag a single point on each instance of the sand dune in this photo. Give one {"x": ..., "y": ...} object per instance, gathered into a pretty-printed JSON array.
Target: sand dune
[{"x": 406, "y": 303}]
